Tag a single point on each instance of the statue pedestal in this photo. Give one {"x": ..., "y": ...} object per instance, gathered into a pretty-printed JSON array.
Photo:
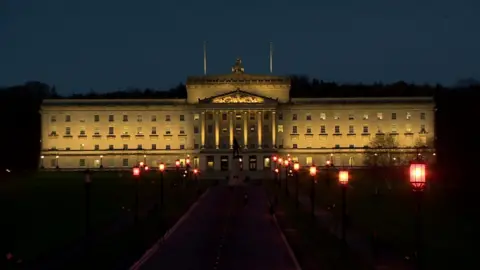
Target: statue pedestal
[{"x": 236, "y": 175}]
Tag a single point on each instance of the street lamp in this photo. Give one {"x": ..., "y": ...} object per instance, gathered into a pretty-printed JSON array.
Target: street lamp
[
  {"x": 141, "y": 164},
  {"x": 296, "y": 168},
  {"x": 41, "y": 162},
  {"x": 101, "y": 161},
  {"x": 177, "y": 169},
  {"x": 195, "y": 174},
  {"x": 56, "y": 162},
  {"x": 88, "y": 181},
  {"x": 136, "y": 175},
  {"x": 343, "y": 180},
  {"x": 418, "y": 182},
  {"x": 145, "y": 159},
  {"x": 313, "y": 172},
  {"x": 287, "y": 168},
  {"x": 161, "y": 167}
]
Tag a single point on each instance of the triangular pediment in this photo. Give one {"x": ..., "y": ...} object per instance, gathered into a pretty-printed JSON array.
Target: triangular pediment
[{"x": 239, "y": 97}]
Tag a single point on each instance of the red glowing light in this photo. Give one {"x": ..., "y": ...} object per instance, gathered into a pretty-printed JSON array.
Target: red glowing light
[
  {"x": 136, "y": 171},
  {"x": 296, "y": 166},
  {"x": 146, "y": 168},
  {"x": 286, "y": 162},
  {"x": 195, "y": 171},
  {"x": 274, "y": 158},
  {"x": 276, "y": 170},
  {"x": 161, "y": 167},
  {"x": 177, "y": 163},
  {"x": 343, "y": 177},
  {"x": 187, "y": 160},
  {"x": 313, "y": 171},
  {"x": 141, "y": 164},
  {"x": 417, "y": 175}
]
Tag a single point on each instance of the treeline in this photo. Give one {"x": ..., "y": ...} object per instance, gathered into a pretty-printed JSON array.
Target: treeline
[{"x": 455, "y": 117}]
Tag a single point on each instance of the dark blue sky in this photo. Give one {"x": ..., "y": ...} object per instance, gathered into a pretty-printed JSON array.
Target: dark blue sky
[{"x": 111, "y": 44}]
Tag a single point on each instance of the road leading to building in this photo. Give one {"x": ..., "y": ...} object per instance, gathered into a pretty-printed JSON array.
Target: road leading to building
[{"x": 225, "y": 232}]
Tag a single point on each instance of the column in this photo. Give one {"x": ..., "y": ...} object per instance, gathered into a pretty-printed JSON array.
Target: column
[
  {"x": 259, "y": 129},
  {"x": 274, "y": 130},
  {"x": 230, "y": 124},
  {"x": 245, "y": 129},
  {"x": 202, "y": 116},
  {"x": 217, "y": 129}
]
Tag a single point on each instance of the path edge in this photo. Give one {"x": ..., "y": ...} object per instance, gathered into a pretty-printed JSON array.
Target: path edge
[{"x": 149, "y": 253}]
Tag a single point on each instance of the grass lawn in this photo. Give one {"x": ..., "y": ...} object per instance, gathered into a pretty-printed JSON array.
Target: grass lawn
[
  {"x": 315, "y": 248},
  {"x": 391, "y": 213},
  {"x": 45, "y": 213}
]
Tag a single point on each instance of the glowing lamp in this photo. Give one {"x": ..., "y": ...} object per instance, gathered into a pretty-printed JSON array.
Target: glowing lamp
[
  {"x": 276, "y": 170},
  {"x": 313, "y": 171},
  {"x": 289, "y": 159},
  {"x": 280, "y": 160},
  {"x": 187, "y": 161},
  {"x": 343, "y": 177},
  {"x": 141, "y": 164},
  {"x": 195, "y": 171},
  {"x": 57, "y": 157},
  {"x": 161, "y": 167},
  {"x": 136, "y": 171},
  {"x": 417, "y": 175},
  {"x": 296, "y": 166},
  {"x": 240, "y": 160},
  {"x": 328, "y": 163},
  {"x": 146, "y": 168},
  {"x": 286, "y": 162},
  {"x": 177, "y": 163},
  {"x": 274, "y": 158},
  {"x": 42, "y": 157}
]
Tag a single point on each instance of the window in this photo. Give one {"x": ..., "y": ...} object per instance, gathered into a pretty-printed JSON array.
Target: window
[
  {"x": 238, "y": 116},
  {"x": 323, "y": 129},
  {"x": 154, "y": 118},
  {"x": 351, "y": 146},
  {"x": 167, "y": 147},
  {"x": 224, "y": 163},
  {"x": 308, "y": 117},
  {"x": 54, "y": 131},
  {"x": 266, "y": 163},
  {"x": 351, "y": 116},
  {"x": 394, "y": 116},
  {"x": 111, "y": 130},
  {"x": 182, "y": 131},
  {"x": 210, "y": 116},
  {"x": 294, "y": 130},
  {"x": 139, "y": 147},
  {"x": 196, "y": 146},
  {"x": 96, "y": 118},
  {"x": 125, "y": 147},
  {"x": 422, "y": 129},
  {"x": 252, "y": 128},
  {"x": 408, "y": 116},
  {"x": 337, "y": 145},
  {"x": 294, "y": 116},
  {"x": 280, "y": 116},
  {"x": 280, "y": 128},
  {"x": 210, "y": 129},
  {"x": 380, "y": 116},
  {"x": 67, "y": 131},
  {"x": 238, "y": 128},
  {"x": 82, "y": 146},
  {"x": 81, "y": 162},
  {"x": 266, "y": 115},
  {"x": 82, "y": 131},
  {"x": 125, "y": 162},
  {"x": 252, "y": 163},
  {"x": 337, "y": 129},
  {"x": 408, "y": 128},
  {"x": 210, "y": 163},
  {"x": 154, "y": 146},
  {"x": 336, "y": 116},
  {"x": 224, "y": 116},
  {"x": 309, "y": 130},
  {"x": 295, "y": 146},
  {"x": 182, "y": 117},
  {"x": 195, "y": 130},
  {"x": 196, "y": 116},
  {"x": 422, "y": 116},
  {"x": 125, "y": 118},
  {"x": 96, "y": 131},
  {"x": 365, "y": 116},
  {"x": 53, "y": 118},
  {"x": 125, "y": 131},
  {"x": 351, "y": 129},
  {"x": 224, "y": 130},
  {"x": 365, "y": 129},
  {"x": 67, "y": 118},
  {"x": 182, "y": 146},
  {"x": 111, "y": 118},
  {"x": 139, "y": 131},
  {"x": 110, "y": 147},
  {"x": 394, "y": 128},
  {"x": 96, "y": 147},
  {"x": 154, "y": 130},
  {"x": 168, "y": 131},
  {"x": 323, "y": 116},
  {"x": 252, "y": 116},
  {"x": 309, "y": 161},
  {"x": 167, "y": 118}
]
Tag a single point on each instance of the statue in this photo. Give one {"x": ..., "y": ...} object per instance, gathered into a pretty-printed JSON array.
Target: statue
[
  {"x": 238, "y": 67},
  {"x": 236, "y": 149}
]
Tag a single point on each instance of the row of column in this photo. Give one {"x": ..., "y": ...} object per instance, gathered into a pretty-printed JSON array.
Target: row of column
[{"x": 230, "y": 117}]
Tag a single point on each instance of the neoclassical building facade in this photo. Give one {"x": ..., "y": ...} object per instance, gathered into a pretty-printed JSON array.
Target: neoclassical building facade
[{"x": 256, "y": 111}]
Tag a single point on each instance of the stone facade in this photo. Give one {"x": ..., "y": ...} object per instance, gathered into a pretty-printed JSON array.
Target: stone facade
[{"x": 255, "y": 110}]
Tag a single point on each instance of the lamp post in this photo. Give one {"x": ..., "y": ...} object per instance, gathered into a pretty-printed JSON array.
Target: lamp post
[
  {"x": 195, "y": 174},
  {"x": 177, "y": 169},
  {"x": 41, "y": 162},
  {"x": 136, "y": 175},
  {"x": 145, "y": 160},
  {"x": 101, "y": 161},
  {"x": 280, "y": 163},
  {"x": 56, "y": 162},
  {"x": 187, "y": 161},
  {"x": 313, "y": 172},
  {"x": 287, "y": 167},
  {"x": 88, "y": 181},
  {"x": 161, "y": 167},
  {"x": 296, "y": 168},
  {"x": 418, "y": 182},
  {"x": 274, "y": 159},
  {"x": 343, "y": 180}
]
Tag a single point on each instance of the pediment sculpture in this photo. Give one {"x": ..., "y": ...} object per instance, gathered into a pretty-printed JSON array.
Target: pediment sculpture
[
  {"x": 238, "y": 67},
  {"x": 238, "y": 98}
]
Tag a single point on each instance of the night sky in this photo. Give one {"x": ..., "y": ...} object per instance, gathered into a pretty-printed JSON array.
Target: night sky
[{"x": 107, "y": 45}]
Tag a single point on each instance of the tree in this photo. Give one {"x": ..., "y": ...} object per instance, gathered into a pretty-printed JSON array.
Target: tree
[{"x": 379, "y": 151}]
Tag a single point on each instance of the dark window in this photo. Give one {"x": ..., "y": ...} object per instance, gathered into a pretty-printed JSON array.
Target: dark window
[
  {"x": 224, "y": 163},
  {"x": 252, "y": 163}
]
